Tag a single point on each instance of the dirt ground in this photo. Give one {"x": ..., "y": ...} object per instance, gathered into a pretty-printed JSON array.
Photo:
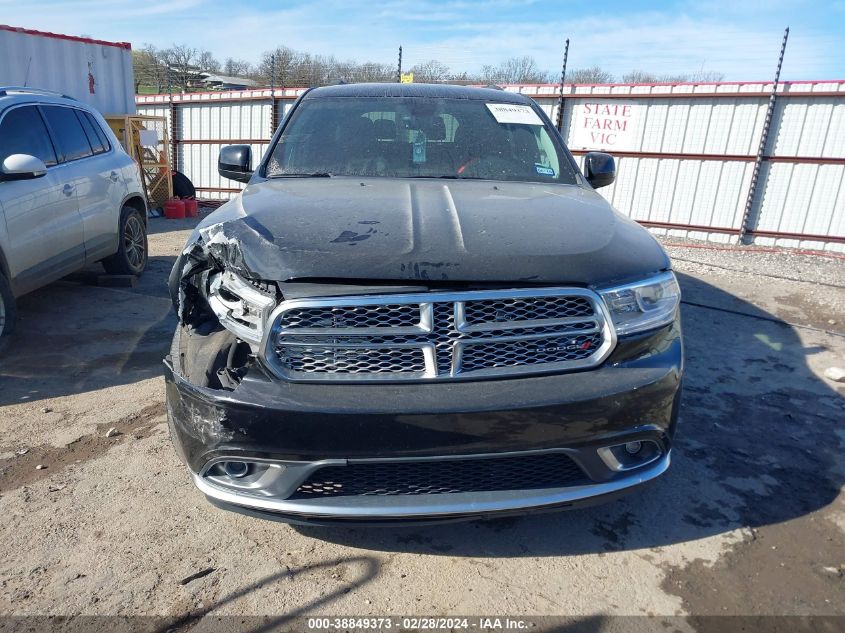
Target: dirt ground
[{"x": 748, "y": 521}]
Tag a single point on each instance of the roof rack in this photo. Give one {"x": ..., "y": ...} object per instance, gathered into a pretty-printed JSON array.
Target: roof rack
[{"x": 4, "y": 90}]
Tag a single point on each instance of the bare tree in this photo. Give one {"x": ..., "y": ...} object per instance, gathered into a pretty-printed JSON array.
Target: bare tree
[
  {"x": 431, "y": 71},
  {"x": 149, "y": 68},
  {"x": 280, "y": 61},
  {"x": 642, "y": 77},
  {"x": 706, "y": 76},
  {"x": 592, "y": 75},
  {"x": 237, "y": 68},
  {"x": 182, "y": 62},
  {"x": 207, "y": 62},
  {"x": 353, "y": 72},
  {"x": 516, "y": 70}
]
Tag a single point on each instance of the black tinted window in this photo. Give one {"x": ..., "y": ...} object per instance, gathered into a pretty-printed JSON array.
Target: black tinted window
[
  {"x": 23, "y": 132},
  {"x": 95, "y": 134},
  {"x": 419, "y": 137},
  {"x": 72, "y": 141}
]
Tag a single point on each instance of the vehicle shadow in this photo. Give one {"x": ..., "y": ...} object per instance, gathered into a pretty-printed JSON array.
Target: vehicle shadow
[
  {"x": 74, "y": 336},
  {"x": 757, "y": 445},
  {"x": 204, "y": 619}
]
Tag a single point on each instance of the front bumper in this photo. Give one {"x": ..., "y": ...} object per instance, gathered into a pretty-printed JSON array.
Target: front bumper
[{"x": 633, "y": 396}]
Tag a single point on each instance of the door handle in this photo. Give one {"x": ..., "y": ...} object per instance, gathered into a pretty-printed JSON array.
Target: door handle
[
  {"x": 67, "y": 190},
  {"x": 113, "y": 176}
]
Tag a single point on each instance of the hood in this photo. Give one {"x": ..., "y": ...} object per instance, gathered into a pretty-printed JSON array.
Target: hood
[{"x": 405, "y": 229}]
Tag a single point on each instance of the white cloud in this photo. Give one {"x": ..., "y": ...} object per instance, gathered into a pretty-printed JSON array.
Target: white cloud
[{"x": 715, "y": 35}]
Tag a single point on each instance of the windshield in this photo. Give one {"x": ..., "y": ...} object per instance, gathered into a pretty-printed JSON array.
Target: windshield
[{"x": 414, "y": 137}]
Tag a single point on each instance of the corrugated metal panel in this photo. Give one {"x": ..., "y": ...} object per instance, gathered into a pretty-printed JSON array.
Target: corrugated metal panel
[
  {"x": 199, "y": 163},
  {"x": 704, "y": 137},
  {"x": 96, "y": 73},
  {"x": 225, "y": 121}
]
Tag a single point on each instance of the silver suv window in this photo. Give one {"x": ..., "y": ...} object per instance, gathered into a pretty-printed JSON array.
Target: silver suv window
[
  {"x": 23, "y": 132},
  {"x": 70, "y": 136},
  {"x": 96, "y": 137}
]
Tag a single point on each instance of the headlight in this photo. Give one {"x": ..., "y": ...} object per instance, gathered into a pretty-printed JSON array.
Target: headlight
[
  {"x": 643, "y": 305},
  {"x": 241, "y": 307}
]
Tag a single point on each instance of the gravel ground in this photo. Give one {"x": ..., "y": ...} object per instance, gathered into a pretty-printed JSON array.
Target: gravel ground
[{"x": 748, "y": 521}]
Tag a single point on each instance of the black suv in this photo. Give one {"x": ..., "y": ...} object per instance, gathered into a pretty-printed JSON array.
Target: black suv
[{"x": 420, "y": 309}]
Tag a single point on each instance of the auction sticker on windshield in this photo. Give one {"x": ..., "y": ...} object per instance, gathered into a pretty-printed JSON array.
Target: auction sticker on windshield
[{"x": 513, "y": 113}]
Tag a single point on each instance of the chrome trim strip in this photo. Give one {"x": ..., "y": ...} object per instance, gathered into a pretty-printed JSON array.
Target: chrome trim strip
[
  {"x": 410, "y": 506},
  {"x": 425, "y": 301}
]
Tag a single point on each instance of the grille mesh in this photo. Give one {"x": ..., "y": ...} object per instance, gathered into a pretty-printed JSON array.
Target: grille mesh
[
  {"x": 393, "y": 315},
  {"x": 354, "y": 360},
  {"x": 531, "y": 352},
  {"x": 528, "y": 472},
  {"x": 532, "y": 309},
  {"x": 475, "y": 332}
]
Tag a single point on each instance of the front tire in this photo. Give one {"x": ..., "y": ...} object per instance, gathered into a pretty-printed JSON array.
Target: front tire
[
  {"x": 131, "y": 255},
  {"x": 8, "y": 310}
]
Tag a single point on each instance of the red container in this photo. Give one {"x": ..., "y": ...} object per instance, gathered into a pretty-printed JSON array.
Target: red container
[
  {"x": 191, "y": 207},
  {"x": 174, "y": 209}
]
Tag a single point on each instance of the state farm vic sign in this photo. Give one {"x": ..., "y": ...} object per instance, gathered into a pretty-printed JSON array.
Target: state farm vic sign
[{"x": 605, "y": 125}]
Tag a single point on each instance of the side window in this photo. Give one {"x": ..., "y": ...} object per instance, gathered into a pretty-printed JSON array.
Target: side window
[
  {"x": 70, "y": 136},
  {"x": 23, "y": 132},
  {"x": 95, "y": 134}
]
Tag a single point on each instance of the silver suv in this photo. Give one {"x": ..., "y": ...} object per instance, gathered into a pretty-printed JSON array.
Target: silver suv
[{"x": 69, "y": 195}]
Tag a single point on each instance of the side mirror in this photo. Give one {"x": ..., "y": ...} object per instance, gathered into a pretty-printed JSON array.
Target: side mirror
[
  {"x": 22, "y": 167},
  {"x": 599, "y": 169},
  {"x": 235, "y": 162}
]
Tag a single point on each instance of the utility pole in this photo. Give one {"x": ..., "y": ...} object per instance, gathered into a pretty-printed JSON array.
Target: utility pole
[
  {"x": 764, "y": 137},
  {"x": 560, "y": 96},
  {"x": 399, "y": 69}
]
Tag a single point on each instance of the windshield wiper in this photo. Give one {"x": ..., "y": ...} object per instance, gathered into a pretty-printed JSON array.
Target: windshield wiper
[{"x": 316, "y": 174}]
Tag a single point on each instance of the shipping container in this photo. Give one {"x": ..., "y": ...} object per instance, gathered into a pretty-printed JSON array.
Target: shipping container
[{"x": 92, "y": 71}]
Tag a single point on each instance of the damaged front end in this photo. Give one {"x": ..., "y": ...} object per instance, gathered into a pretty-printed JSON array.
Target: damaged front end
[
  {"x": 336, "y": 400},
  {"x": 221, "y": 304}
]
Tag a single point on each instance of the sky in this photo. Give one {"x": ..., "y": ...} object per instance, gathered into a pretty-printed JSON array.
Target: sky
[{"x": 739, "y": 38}]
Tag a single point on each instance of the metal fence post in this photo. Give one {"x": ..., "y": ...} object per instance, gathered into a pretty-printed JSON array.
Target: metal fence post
[
  {"x": 273, "y": 114},
  {"x": 764, "y": 137},
  {"x": 560, "y": 97},
  {"x": 174, "y": 139}
]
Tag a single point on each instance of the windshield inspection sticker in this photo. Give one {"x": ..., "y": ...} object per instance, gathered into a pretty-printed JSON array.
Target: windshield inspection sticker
[
  {"x": 512, "y": 113},
  {"x": 543, "y": 170}
]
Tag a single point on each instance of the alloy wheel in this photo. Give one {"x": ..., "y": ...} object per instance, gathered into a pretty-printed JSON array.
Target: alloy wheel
[{"x": 133, "y": 241}]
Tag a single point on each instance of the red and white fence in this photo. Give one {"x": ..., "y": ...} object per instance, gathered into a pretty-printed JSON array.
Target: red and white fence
[{"x": 685, "y": 152}]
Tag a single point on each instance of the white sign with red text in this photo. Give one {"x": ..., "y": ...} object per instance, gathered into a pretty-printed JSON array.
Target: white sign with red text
[{"x": 605, "y": 125}]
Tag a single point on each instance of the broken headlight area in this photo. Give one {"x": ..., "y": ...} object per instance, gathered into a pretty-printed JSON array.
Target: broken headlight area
[
  {"x": 242, "y": 306},
  {"x": 219, "y": 357},
  {"x": 222, "y": 316}
]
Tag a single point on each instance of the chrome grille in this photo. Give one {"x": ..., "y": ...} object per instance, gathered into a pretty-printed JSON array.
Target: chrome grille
[{"x": 438, "y": 335}]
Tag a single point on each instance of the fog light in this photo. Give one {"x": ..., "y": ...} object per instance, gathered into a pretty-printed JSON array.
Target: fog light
[
  {"x": 630, "y": 455},
  {"x": 236, "y": 470},
  {"x": 632, "y": 448}
]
